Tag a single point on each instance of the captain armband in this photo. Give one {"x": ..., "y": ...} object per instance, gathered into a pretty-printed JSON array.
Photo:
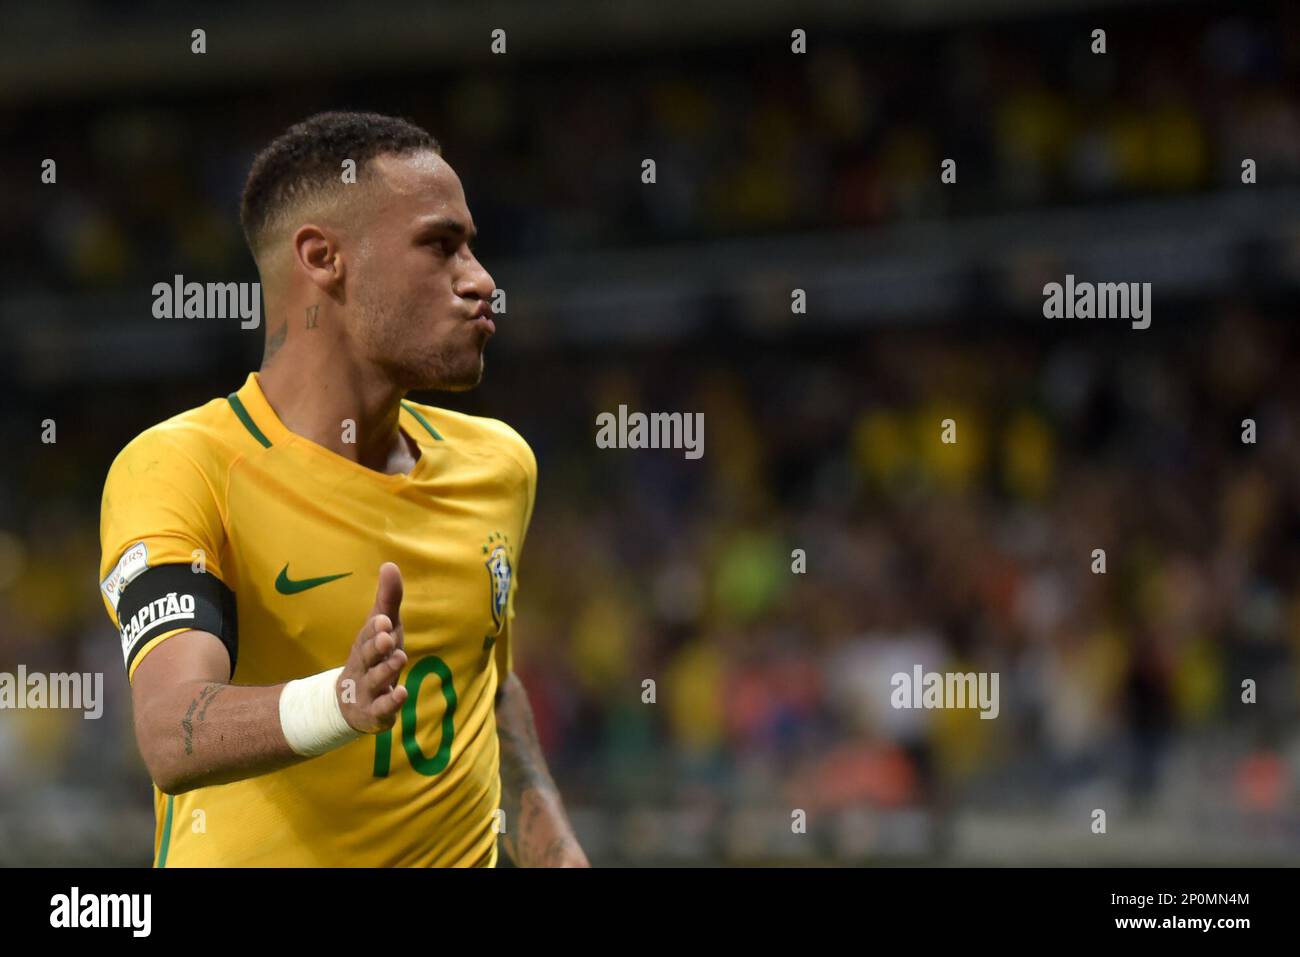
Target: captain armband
[{"x": 166, "y": 598}]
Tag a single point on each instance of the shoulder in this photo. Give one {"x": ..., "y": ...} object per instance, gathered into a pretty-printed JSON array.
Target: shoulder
[
  {"x": 164, "y": 493},
  {"x": 480, "y": 436},
  {"x": 199, "y": 442}
]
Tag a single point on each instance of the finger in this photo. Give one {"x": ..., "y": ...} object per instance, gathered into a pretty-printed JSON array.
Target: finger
[
  {"x": 377, "y": 649},
  {"x": 387, "y": 705},
  {"x": 388, "y": 593},
  {"x": 381, "y": 677},
  {"x": 374, "y": 624}
]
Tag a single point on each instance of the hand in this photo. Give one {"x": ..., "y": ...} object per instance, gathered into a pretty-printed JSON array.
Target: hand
[{"x": 377, "y": 658}]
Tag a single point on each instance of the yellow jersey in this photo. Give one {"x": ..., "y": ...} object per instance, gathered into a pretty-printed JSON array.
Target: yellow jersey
[{"x": 297, "y": 533}]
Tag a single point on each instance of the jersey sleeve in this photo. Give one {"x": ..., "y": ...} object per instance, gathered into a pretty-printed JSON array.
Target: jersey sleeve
[
  {"x": 159, "y": 511},
  {"x": 504, "y": 649}
]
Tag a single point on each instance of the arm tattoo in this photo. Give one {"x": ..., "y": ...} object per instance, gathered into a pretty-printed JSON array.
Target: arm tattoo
[
  {"x": 204, "y": 697},
  {"x": 520, "y": 772},
  {"x": 203, "y": 715},
  {"x": 537, "y": 834}
]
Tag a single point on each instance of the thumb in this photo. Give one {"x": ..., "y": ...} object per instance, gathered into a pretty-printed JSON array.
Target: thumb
[{"x": 388, "y": 595}]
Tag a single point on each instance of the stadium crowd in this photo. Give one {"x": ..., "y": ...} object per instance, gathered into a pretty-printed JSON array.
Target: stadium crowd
[
  {"x": 745, "y": 141},
  {"x": 771, "y": 685}
]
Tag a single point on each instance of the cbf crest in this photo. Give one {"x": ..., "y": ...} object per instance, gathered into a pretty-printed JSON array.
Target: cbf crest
[{"x": 500, "y": 569}]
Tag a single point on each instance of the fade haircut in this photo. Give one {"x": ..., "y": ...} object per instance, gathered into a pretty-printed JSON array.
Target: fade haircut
[{"x": 305, "y": 162}]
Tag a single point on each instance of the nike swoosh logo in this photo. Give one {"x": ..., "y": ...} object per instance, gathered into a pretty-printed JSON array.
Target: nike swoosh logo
[{"x": 286, "y": 586}]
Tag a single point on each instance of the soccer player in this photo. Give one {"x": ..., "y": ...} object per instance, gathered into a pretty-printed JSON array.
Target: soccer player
[{"x": 313, "y": 577}]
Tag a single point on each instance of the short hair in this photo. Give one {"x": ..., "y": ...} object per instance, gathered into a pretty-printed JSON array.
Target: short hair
[{"x": 307, "y": 159}]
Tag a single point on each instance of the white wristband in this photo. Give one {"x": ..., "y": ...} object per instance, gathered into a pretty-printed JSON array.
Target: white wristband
[{"x": 311, "y": 717}]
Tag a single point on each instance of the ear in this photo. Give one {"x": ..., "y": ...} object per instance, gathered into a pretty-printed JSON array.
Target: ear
[{"x": 316, "y": 253}]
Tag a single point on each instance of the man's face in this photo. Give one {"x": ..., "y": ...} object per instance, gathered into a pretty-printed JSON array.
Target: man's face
[{"x": 419, "y": 292}]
